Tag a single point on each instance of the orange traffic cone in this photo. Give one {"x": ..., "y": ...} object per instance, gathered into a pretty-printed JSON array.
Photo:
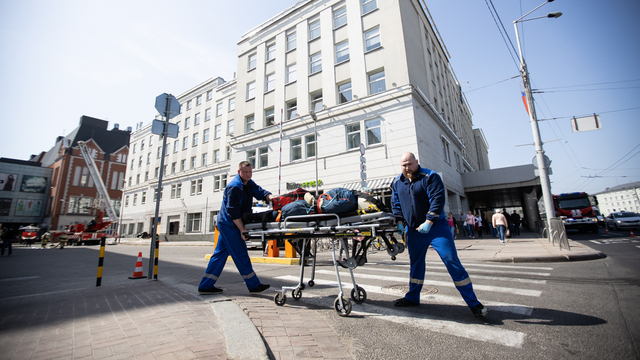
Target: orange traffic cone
[
  {"x": 137, "y": 272},
  {"x": 631, "y": 233},
  {"x": 606, "y": 230}
]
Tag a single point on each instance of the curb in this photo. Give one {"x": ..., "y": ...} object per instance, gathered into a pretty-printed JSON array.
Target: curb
[{"x": 552, "y": 258}]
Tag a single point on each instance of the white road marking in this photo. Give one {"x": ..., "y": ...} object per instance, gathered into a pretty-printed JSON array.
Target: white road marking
[
  {"x": 406, "y": 263},
  {"x": 506, "y": 290},
  {"x": 473, "y": 276},
  {"x": 471, "y": 269}
]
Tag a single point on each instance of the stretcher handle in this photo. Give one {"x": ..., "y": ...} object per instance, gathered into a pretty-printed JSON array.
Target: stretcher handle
[{"x": 310, "y": 217}]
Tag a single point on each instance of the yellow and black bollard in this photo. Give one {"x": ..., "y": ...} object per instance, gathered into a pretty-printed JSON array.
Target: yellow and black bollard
[
  {"x": 155, "y": 262},
  {"x": 101, "y": 261}
]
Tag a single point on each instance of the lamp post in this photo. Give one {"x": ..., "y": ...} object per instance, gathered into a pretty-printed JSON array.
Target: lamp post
[
  {"x": 540, "y": 157},
  {"x": 315, "y": 144}
]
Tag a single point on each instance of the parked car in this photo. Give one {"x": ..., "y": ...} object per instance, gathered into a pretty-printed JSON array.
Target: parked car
[
  {"x": 623, "y": 220},
  {"x": 599, "y": 217}
]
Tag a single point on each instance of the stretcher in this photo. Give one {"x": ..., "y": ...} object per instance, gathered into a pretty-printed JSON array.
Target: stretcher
[{"x": 304, "y": 231}]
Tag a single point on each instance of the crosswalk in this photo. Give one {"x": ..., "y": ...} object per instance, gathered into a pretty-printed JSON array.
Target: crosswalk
[{"x": 490, "y": 281}]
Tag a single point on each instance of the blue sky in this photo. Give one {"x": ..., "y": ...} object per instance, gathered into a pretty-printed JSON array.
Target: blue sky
[{"x": 64, "y": 59}]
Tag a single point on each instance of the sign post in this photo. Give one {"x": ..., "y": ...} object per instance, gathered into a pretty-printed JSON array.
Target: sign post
[{"x": 169, "y": 107}]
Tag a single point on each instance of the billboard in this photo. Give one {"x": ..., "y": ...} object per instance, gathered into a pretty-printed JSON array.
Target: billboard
[
  {"x": 586, "y": 123},
  {"x": 28, "y": 207},
  {"x": 7, "y": 181},
  {"x": 33, "y": 184}
]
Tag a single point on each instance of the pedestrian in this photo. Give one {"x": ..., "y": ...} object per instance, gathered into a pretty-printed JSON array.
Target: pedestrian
[
  {"x": 463, "y": 220},
  {"x": 488, "y": 215},
  {"x": 515, "y": 220},
  {"x": 452, "y": 225},
  {"x": 5, "y": 241},
  {"x": 232, "y": 236},
  {"x": 500, "y": 223},
  {"x": 506, "y": 216},
  {"x": 478, "y": 221},
  {"x": 418, "y": 199},
  {"x": 470, "y": 223}
]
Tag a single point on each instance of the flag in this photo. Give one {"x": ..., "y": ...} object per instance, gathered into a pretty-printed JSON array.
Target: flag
[{"x": 524, "y": 100}]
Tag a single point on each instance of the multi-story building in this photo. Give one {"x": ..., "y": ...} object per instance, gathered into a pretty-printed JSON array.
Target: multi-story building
[
  {"x": 624, "y": 197},
  {"x": 317, "y": 85},
  {"x": 74, "y": 197}
]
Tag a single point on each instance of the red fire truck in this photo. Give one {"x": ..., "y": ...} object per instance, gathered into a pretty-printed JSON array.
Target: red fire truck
[{"x": 576, "y": 211}]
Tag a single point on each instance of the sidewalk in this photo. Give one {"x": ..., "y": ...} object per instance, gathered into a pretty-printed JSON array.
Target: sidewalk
[{"x": 154, "y": 320}]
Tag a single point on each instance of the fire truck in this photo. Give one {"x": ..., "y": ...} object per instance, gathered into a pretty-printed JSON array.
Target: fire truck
[
  {"x": 576, "y": 211},
  {"x": 96, "y": 229}
]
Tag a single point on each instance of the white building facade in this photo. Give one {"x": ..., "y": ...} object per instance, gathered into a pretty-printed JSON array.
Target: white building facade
[
  {"x": 341, "y": 77},
  {"x": 619, "y": 198}
]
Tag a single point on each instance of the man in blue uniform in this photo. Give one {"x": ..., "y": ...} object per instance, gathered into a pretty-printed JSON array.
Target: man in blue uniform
[
  {"x": 237, "y": 200},
  {"x": 418, "y": 205}
]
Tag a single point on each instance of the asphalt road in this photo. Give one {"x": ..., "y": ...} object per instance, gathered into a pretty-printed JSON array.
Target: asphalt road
[{"x": 554, "y": 310}]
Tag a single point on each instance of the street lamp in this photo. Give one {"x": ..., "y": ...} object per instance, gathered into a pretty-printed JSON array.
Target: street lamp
[
  {"x": 540, "y": 157},
  {"x": 315, "y": 144}
]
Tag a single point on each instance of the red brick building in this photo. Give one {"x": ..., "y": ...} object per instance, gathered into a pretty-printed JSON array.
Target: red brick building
[{"x": 74, "y": 197}]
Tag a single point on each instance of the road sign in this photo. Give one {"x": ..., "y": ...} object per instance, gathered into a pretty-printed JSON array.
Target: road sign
[
  {"x": 157, "y": 127},
  {"x": 161, "y": 105},
  {"x": 547, "y": 161}
]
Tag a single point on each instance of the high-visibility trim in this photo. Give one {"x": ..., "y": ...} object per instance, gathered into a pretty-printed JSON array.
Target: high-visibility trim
[
  {"x": 462, "y": 282},
  {"x": 249, "y": 276},
  {"x": 212, "y": 277},
  {"x": 416, "y": 281}
]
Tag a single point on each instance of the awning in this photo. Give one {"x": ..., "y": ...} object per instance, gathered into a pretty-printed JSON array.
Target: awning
[{"x": 375, "y": 184}]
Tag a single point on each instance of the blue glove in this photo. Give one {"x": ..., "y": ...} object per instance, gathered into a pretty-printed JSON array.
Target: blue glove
[
  {"x": 424, "y": 227},
  {"x": 400, "y": 228}
]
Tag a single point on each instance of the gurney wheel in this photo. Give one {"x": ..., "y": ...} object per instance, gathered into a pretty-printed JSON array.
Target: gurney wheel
[
  {"x": 297, "y": 294},
  {"x": 359, "y": 297},
  {"x": 352, "y": 263},
  {"x": 280, "y": 298},
  {"x": 400, "y": 248},
  {"x": 311, "y": 283},
  {"x": 393, "y": 258},
  {"x": 346, "y": 306},
  {"x": 301, "y": 286}
]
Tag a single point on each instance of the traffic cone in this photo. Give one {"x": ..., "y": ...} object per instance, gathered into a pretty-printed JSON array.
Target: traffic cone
[
  {"x": 631, "y": 233},
  {"x": 137, "y": 272},
  {"x": 606, "y": 230}
]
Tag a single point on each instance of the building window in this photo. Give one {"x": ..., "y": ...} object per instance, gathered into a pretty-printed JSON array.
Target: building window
[
  {"x": 271, "y": 51},
  {"x": 183, "y": 165},
  {"x": 223, "y": 181},
  {"x": 292, "y": 109},
  {"x": 174, "y": 167},
  {"x": 270, "y": 82},
  {"x": 82, "y": 205},
  {"x": 158, "y": 155},
  {"x": 218, "y": 109},
  {"x": 207, "y": 115},
  {"x": 291, "y": 75},
  {"x": 251, "y": 90},
  {"x": 339, "y": 17},
  {"x": 198, "y": 100},
  {"x": 133, "y": 162},
  {"x": 374, "y": 131},
  {"x": 186, "y": 123},
  {"x": 310, "y": 144},
  {"x": 372, "y": 39},
  {"x": 195, "y": 140},
  {"x": 204, "y": 159},
  {"x": 251, "y": 157},
  {"x": 185, "y": 143},
  {"x": 248, "y": 123},
  {"x": 196, "y": 187},
  {"x": 216, "y": 156},
  {"x": 458, "y": 162},
  {"x": 269, "y": 117},
  {"x": 146, "y": 178},
  {"x": 150, "y": 140},
  {"x": 205, "y": 136},
  {"x": 142, "y": 145},
  {"x": 315, "y": 63},
  {"x": 148, "y": 158},
  {"x": 176, "y": 146},
  {"x": 291, "y": 40},
  {"x": 135, "y": 199},
  {"x": 344, "y": 93},
  {"x": 296, "y": 149},
  {"x": 216, "y": 182},
  {"x": 196, "y": 119},
  {"x": 176, "y": 191},
  {"x": 143, "y": 198},
  {"x": 217, "y": 131},
  {"x": 252, "y": 61},
  {"x": 230, "y": 127},
  {"x": 232, "y": 104},
  {"x": 316, "y": 101},
  {"x": 353, "y": 136},
  {"x": 209, "y": 95},
  {"x": 155, "y": 194},
  {"x": 193, "y": 162},
  {"x": 368, "y": 6},
  {"x": 228, "y": 153},
  {"x": 342, "y": 51},
  {"x": 140, "y": 161},
  {"x": 73, "y": 205},
  {"x": 314, "y": 29},
  {"x": 376, "y": 82},
  {"x": 134, "y": 148},
  {"x": 193, "y": 222},
  {"x": 445, "y": 149},
  {"x": 263, "y": 154}
]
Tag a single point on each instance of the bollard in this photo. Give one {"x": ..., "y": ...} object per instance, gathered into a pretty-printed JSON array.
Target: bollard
[
  {"x": 155, "y": 263},
  {"x": 274, "y": 250},
  {"x": 101, "y": 261},
  {"x": 289, "y": 251}
]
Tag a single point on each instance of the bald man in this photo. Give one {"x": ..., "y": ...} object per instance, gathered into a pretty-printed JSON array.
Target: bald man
[{"x": 417, "y": 201}]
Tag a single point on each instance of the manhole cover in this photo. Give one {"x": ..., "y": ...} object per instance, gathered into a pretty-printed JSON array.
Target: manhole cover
[{"x": 403, "y": 289}]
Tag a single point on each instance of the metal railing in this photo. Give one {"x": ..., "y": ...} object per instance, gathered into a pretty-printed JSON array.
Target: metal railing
[{"x": 558, "y": 233}]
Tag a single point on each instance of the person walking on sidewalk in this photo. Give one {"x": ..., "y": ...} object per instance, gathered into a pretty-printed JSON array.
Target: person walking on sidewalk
[
  {"x": 5, "y": 241},
  {"x": 470, "y": 223},
  {"x": 452, "y": 225},
  {"x": 478, "y": 221},
  {"x": 417, "y": 199},
  {"x": 515, "y": 220},
  {"x": 463, "y": 220},
  {"x": 232, "y": 237},
  {"x": 500, "y": 223}
]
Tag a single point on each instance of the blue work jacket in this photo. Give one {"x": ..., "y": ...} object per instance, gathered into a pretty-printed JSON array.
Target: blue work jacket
[
  {"x": 420, "y": 200},
  {"x": 238, "y": 198}
]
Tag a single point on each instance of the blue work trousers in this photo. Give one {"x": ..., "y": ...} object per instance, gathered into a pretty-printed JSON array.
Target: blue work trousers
[
  {"x": 229, "y": 243},
  {"x": 439, "y": 237}
]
